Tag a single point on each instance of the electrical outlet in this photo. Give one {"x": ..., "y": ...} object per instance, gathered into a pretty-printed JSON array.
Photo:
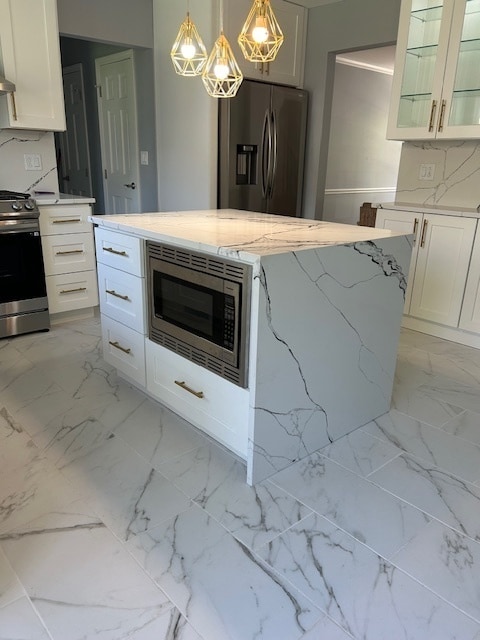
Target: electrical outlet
[
  {"x": 143, "y": 157},
  {"x": 426, "y": 172},
  {"x": 33, "y": 161}
]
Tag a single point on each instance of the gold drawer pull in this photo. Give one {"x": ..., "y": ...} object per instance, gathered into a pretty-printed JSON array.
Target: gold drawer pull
[
  {"x": 67, "y": 253},
  {"x": 415, "y": 227},
  {"x": 432, "y": 115},
  {"x": 117, "y": 253},
  {"x": 73, "y": 290},
  {"x": 66, "y": 220},
  {"x": 198, "y": 394},
  {"x": 117, "y": 346},
  {"x": 424, "y": 231},
  {"x": 442, "y": 115},
  {"x": 112, "y": 292}
]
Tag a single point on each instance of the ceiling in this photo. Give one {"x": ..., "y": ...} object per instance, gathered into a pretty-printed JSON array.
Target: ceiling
[{"x": 381, "y": 59}]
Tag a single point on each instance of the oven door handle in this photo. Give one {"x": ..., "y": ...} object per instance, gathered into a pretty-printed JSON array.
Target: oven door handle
[{"x": 18, "y": 227}]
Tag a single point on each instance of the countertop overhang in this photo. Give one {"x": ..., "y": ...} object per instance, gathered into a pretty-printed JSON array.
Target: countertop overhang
[{"x": 240, "y": 234}]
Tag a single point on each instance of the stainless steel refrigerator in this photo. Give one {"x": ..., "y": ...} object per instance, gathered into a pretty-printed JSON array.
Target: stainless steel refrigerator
[{"x": 261, "y": 149}]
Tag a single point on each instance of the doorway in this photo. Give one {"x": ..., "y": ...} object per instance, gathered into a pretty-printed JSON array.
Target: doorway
[{"x": 362, "y": 165}]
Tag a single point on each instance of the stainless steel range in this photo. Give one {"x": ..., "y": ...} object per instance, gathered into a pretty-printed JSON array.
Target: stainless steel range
[{"x": 23, "y": 292}]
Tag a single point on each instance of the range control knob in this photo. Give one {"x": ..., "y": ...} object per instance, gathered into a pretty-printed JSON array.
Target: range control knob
[
  {"x": 29, "y": 205},
  {"x": 16, "y": 206}
]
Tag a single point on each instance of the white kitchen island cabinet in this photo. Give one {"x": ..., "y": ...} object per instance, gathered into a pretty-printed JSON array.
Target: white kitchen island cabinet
[
  {"x": 30, "y": 58},
  {"x": 436, "y": 85},
  {"x": 324, "y": 321}
]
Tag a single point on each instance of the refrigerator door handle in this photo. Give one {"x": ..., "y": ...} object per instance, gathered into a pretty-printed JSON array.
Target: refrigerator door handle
[
  {"x": 273, "y": 172},
  {"x": 265, "y": 154}
]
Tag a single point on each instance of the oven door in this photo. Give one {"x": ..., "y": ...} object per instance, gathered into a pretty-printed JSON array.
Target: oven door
[{"x": 22, "y": 274}]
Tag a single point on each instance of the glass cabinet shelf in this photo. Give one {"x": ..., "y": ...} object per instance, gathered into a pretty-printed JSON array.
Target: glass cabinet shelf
[
  {"x": 466, "y": 93},
  {"x": 473, "y": 6},
  {"x": 414, "y": 97},
  {"x": 429, "y": 14},
  {"x": 423, "y": 52},
  {"x": 470, "y": 45}
]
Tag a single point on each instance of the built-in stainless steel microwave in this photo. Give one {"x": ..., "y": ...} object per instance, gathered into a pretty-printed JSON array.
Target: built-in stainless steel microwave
[{"x": 199, "y": 307}]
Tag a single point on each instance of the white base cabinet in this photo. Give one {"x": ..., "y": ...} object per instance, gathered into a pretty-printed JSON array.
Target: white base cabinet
[
  {"x": 470, "y": 316},
  {"x": 30, "y": 57},
  {"x": 199, "y": 396},
  {"x": 69, "y": 257},
  {"x": 442, "y": 263}
]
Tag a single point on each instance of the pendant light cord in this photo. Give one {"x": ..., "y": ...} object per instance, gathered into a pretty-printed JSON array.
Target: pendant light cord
[{"x": 221, "y": 16}]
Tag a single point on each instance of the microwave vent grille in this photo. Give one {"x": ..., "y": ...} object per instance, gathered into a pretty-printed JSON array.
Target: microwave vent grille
[
  {"x": 198, "y": 261},
  {"x": 196, "y": 356}
]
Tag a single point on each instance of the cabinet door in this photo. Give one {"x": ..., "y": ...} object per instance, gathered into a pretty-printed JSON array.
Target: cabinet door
[
  {"x": 444, "y": 252},
  {"x": 460, "y": 107},
  {"x": 404, "y": 222},
  {"x": 287, "y": 68},
  {"x": 30, "y": 57},
  {"x": 470, "y": 316},
  {"x": 422, "y": 46}
]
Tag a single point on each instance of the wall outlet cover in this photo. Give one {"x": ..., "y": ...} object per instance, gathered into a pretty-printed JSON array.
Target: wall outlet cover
[
  {"x": 33, "y": 161},
  {"x": 426, "y": 172}
]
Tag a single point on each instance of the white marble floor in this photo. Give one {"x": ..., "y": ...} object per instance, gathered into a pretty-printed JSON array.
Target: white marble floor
[{"x": 119, "y": 520}]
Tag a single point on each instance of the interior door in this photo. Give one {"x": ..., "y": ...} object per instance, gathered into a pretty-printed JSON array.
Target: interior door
[
  {"x": 74, "y": 156},
  {"x": 118, "y": 132}
]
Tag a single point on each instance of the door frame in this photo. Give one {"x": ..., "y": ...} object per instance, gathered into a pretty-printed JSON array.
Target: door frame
[
  {"x": 128, "y": 54},
  {"x": 62, "y": 134}
]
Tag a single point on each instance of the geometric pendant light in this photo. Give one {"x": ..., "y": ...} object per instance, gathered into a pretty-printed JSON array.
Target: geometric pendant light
[
  {"x": 222, "y": 76},
  {"x": 261, "y": 36},
  {"x": 188, "y": 52}
]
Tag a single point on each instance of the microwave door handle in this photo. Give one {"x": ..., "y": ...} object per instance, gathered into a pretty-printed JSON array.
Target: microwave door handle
[{"x": 265, "y": 154}]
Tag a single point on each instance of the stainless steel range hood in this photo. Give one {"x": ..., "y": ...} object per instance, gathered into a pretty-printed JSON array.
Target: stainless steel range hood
[{"x": 5, "y": 85}]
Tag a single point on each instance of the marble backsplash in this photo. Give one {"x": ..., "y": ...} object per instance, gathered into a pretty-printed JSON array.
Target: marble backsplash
[
  {"x": 456, "y": 174},
  {"x": 14, "y": 144}
]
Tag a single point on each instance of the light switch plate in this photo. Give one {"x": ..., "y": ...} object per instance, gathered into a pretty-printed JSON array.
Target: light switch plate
[
  {"x": 426, "y": 172},
  {"x": 33, "y": 161},
  {"x": 143, "y": 157}
]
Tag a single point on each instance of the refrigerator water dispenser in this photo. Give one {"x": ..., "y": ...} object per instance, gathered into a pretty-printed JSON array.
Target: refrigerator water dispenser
[{"x": 246, "y": 164}]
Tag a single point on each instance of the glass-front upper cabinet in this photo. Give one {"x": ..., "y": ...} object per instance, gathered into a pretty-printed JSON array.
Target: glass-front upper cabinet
[{"x": 436, "y": 84}]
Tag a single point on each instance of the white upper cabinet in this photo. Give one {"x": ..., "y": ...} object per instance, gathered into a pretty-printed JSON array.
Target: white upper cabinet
[
  {"x": 436, "y": 84},
  {"x": 30, "y": 57},
  {"x": 288, "y": 66}
]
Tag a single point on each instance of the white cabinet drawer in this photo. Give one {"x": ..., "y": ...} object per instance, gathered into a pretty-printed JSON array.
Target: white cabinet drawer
[
  {"x": 209, "y": 402},
  {"x": 119, "y": 251},
  {"x": 124, "y": 349},
  {"x": 72, "y": 291},
  {"x": 122, "y": 297},
  {"x": 68, "y": 253},
  {"x": 67, "y": 219}
]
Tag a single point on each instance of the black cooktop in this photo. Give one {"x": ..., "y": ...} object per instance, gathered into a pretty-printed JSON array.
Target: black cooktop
[{"x": 13, "y": 195}]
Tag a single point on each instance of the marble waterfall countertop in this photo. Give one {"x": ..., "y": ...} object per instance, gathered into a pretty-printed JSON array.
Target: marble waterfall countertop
[
  {"x": 48, "y": 199},
  {"x": 416, "y": 208},
  {"x": 239, "y": 234}
]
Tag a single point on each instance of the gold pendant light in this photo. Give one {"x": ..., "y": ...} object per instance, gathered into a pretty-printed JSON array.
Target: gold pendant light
[
  {"x": 188, "y": 52},
  {"x": 261, "y": 36},
  {"x": 222, "y": 76}
]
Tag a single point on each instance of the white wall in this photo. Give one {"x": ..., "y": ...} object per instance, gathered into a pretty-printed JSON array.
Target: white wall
[
  {"x": 332, "y": 28},
  {"x": 186, "y": 117},
  {"x": 126, "y": 22},
  {"x": 362, "y": 165}
]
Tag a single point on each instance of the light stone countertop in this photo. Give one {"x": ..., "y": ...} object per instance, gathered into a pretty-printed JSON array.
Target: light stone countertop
[
  {"x": 462, "y": 212},
  {"x": 61, "y": 198},
  {"x": 238, "y": 234}
]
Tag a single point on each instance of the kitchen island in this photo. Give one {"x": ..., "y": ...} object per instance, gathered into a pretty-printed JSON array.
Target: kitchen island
[{"x": 324, "y": 322}]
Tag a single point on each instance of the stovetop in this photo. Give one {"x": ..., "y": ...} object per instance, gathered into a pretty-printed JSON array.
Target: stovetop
[{"x": 17, "y": 204}]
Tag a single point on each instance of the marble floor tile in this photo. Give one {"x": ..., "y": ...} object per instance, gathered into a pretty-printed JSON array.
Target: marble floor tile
[
  {"x": 466, "y": 426},
  {"x": 123, "y": 489},
  {"x": 326, "y": 629},
  {"x": 215, "y": 480},
  {"x": 370, "y": 514},
  {"x": 157, "y": 434},
  {"x": 361, "y": 453},
  {"x": 460, "y": 395},
  {"x": 97, "y": 591},
  {"x": 362, "y": 592},
  {"x": 438, "y": 493},
  {"x": 218, "y": 584},
  {"x": 434, "y": 446},
  {"x": 446, "y": 562},
  {"x": 19, "y": 621}
]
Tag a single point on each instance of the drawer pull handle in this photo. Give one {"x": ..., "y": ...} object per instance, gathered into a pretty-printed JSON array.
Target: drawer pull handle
[
  {"x": 119, "y": 347},
  {"x": 117, "y": 253},
  {"x": 112, "y": 292},
  {"x": 424, "y": 231},
  {"x": 67, "y": 253},
  {"x": 198, "y": 394},
  {"x": 442, "y": 115},
  {"x": 66, "y": 220},
  {"x": 415, "y": 227},
  {"x": 432, "y": 115},
  {"x": 73, "y": 290}
]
